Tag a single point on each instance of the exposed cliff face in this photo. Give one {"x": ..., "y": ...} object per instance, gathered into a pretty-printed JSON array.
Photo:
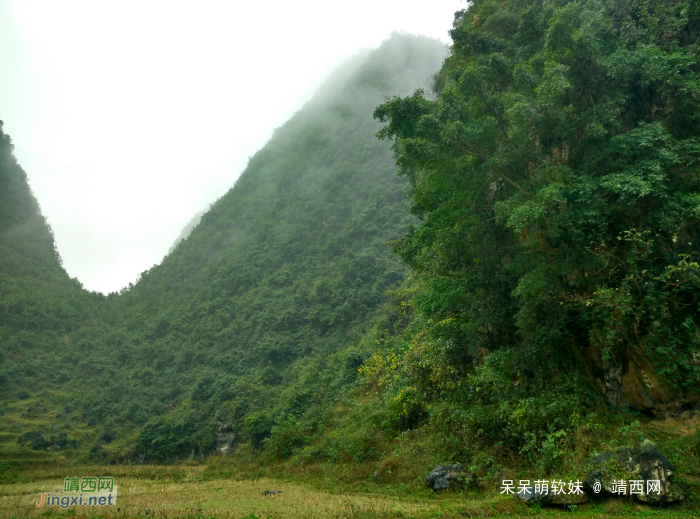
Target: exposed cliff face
[
  {"x": 628, "y": 377},
  {"x": 225, "y": 437}
]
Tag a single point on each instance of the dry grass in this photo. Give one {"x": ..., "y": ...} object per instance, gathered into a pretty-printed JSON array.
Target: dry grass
[
  {"x": 683, "y": 427},
  {"x": 183, "y": 492},
  {"x": 192, "y": 497}
]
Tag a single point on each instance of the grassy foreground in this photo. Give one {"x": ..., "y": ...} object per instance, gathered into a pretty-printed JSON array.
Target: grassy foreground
[
  {"x": 232, "y": 486},
  {"x": 189, "y": 492}
]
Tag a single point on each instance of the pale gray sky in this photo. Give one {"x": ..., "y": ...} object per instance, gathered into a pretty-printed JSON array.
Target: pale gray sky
[{"x": 131, "y": 116}]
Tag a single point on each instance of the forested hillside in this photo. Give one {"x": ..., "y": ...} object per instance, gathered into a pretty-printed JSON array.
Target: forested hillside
[
  {"x": 257, "y": 315},
  {"x": 39, "y": 304},
  {"x": 533, "y": 300},
  {"x": 556, "y": 181}
]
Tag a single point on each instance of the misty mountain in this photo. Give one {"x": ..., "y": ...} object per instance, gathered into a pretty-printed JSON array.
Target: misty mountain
[
  {"x": 259, "y": 313},
  {"x": 187, "y": 229},
  {"x": 490, "y": 257},
  {"x": 39, "y": 303}
]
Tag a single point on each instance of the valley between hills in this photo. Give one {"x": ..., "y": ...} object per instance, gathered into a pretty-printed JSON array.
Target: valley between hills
[{"x": 451, "y": 270}]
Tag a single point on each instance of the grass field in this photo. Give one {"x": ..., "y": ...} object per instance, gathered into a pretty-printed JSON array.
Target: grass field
[
  {"x": 187, "y": 492},
  {"x": 232, "y": 486}
]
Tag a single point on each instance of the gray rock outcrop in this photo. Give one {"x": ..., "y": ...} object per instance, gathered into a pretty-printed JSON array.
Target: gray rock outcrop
[
  {"x": 224, "y": 437},
  {"x": 446, "y": 477},
  {"x": 531, "y": 494},
  {"x": 628, "y": 377},
  {"x": 642, "y": 467}
]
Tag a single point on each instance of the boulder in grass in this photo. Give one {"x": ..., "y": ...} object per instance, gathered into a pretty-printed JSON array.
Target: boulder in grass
[
  {"x": 529, "y": 495},
  {"x": 446, "y": 477},
  {"x": 642, "y": 467}
]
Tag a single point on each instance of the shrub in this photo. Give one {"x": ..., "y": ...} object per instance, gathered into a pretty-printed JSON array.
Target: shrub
[{"x": 286, "y": 435}]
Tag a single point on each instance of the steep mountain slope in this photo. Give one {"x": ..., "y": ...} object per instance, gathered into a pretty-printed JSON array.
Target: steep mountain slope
[
  {"x": 257, "y": 314},
  {"x": 38, "y": 301},
  {"x": 551, "y": 310},
  {"x": 187, "y": 230}
]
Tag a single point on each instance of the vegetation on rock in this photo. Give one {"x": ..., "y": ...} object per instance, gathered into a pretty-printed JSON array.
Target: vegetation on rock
[{"x": 556, "y": 180}]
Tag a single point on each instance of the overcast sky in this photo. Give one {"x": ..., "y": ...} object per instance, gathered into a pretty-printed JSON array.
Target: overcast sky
[{"x": 131, "y": 116}]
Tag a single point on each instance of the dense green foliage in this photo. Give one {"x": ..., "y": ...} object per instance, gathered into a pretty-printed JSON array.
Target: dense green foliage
[
  {"x": 550, "y": 242},
  {"x": 556, "y": 180},
  {"x": 38, "y": 302},
  {"x": 255, "y": 317}
]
